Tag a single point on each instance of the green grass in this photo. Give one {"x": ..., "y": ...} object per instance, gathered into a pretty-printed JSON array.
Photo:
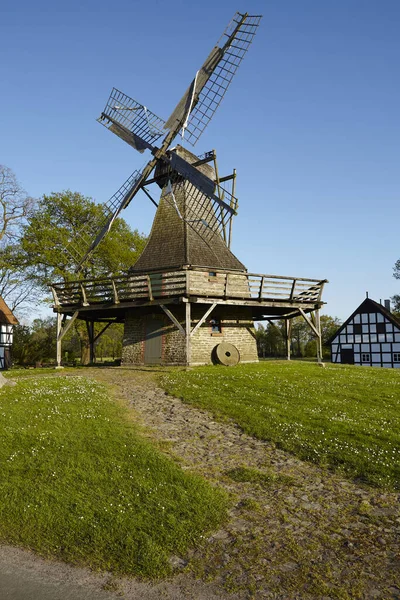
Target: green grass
[
  {"x": 255, "y": 476},
  {"x": 79, "y": 483},
  {"x": 347, "y": 418}
]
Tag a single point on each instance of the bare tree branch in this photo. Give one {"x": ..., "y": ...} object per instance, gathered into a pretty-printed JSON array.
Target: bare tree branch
[{"x": 15, "y": 205}]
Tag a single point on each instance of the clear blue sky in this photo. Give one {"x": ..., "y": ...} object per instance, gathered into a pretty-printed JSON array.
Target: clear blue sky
[{"x": 310, "y": 122}]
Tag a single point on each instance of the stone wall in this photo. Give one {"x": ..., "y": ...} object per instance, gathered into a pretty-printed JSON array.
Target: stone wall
[
  {"x": 237, "y": 329},
  {"x": 133, "y": 340},
  {"x": 233, "y": 285}
]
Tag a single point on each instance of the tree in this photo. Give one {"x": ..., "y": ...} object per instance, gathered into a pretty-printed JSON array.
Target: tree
[
  {"x": 47, "y": 254},
  {"x": 15, "y": 208},
  {"x": 35, "y": 343},
  {"x": 55, "y": 229},
  {"x": 396, "y": 298},
  {"x": 271, "y": 339}
]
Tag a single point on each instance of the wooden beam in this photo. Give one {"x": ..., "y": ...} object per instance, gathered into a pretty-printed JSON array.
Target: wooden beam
[
  {"x": 288, "y": 337},
  {"x": 270, "y": 321},
  {"x": 84, "y": 297},
  {"x": 149, "y": 288},
  {"x": 55, "y": 297},
  {"x": 116, "y": 299},
  {"x": 309, "y": 322},
  {"x": 203, "y": 318},
  {"x": 188, "y": 336},
  {"x": 58, "y": 343},
  {"x": 63, "y": 330},
  {"x": 101, "y": 332},
  {"x": 173, "y": 319},
  {"x": 149, "y": 196},
  {"x": 319, "y": 339},
  {"x": 90, "y": 330}
]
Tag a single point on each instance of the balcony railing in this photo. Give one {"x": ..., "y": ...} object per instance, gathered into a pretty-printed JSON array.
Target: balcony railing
[{"x": 197, "y": 282}]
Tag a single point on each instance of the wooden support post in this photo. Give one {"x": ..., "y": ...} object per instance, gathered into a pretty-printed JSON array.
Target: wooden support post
[
  {"x": 319, "y": 337},
  {"x": 59, "y": 340},
  {"x": 90, "y": 330},
  {"x": 188, "y": 332},
  {"x": 288, "y": 336}
]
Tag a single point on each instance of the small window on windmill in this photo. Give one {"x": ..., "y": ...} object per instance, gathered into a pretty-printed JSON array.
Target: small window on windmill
[
  {"x": 365, "y": 358},
  {"x": 215, "y": 326},
  {"x": 396, "y": 357}
]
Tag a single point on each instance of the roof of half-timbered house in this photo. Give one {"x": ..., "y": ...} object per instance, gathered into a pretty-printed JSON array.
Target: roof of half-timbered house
[
  {"x": 6, "y": 316},
  {"x": 367, "y": 306}
]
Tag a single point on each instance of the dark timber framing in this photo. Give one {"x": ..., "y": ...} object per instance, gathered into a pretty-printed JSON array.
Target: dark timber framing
[
  {"x": 7, "y": 322},
  {"x": 268, "y": 297},
  {"x": 369, "y": 337}
]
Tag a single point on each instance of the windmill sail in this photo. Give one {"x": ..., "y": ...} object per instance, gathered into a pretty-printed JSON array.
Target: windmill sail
[
  {"x": 202, "y": 98},
  {"x": 142, "y": 129},
  {"x": 111, "y": 210},
  {"x": 132, "y": 121}
]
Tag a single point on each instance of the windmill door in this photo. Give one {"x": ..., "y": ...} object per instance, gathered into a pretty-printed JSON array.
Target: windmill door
[
  {"x": 347, "y": 355},
  {"x": 153, "y": 342}
]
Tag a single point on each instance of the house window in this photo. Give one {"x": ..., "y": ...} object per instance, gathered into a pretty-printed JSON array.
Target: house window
[
  {"x": 215, "y": 326},
  {"x": 380, "y": 328},
  {"x": 396, "y": 357},
  {"x": 357, "y": 328},
  {"x": 212, "y": 274},
  {"x": 365, "y": 357}
]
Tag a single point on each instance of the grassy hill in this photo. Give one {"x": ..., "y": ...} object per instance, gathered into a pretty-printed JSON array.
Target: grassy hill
[
  {"x": 79, "y": 482},
  {"x": 345, "y": 417}
]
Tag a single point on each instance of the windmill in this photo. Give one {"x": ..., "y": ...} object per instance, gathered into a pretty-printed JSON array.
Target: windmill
[
  {"x": 211, "y": 207},
  {"x": 187, "y": 299}
]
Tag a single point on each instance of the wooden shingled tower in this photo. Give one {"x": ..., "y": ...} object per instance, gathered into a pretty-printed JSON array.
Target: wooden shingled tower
[
  {"x": 178, "y": 238},
  {"x": 188, "y": 299}
]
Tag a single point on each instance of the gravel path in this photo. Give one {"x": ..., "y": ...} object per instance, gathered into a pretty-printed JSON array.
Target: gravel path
[
  {"x": 297, "y": 532},
  {"x": 301, "y": 532}
]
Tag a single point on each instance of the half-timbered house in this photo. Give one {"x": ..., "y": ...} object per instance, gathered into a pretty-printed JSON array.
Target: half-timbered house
[
  {"x": 7, "y": 322},
  {"x": 369, "y": 337}
]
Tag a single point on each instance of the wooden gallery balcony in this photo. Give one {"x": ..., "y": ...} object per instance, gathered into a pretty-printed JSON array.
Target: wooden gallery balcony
[{"x": 269, "y": 296}]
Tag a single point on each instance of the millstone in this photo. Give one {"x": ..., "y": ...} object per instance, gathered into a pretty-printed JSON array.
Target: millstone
[{"x": 227, "y": 354}]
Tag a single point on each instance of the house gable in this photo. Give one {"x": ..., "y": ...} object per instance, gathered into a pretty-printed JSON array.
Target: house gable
[
  {"x": 369, "y": 337},
  {"x": 7, "y": 322}
]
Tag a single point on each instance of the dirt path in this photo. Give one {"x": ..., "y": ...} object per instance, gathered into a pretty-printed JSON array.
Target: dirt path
[{"x": 296, "y": 532}]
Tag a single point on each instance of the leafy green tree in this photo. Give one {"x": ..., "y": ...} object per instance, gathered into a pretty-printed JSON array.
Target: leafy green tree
[
  {"x": 36, "y": 343},
  {"x": 396, "y": 298},
  {"x": 47, "y": 246},
  {"x": 396, "y": 305},
  {"x": 54, "y": 233},
  {"x": 20, "y": 347}
]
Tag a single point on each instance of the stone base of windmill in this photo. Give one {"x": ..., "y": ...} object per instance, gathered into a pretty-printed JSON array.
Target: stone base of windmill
[{"x": 154, "y": 339}]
